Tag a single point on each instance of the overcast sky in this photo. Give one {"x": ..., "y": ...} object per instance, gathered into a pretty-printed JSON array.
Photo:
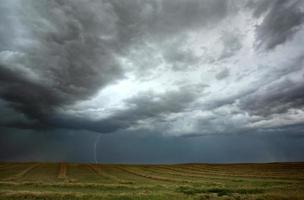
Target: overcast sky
[{"x": 153, "y": 81}]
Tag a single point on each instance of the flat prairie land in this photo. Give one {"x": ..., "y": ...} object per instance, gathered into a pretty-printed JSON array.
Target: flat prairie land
[{"x": 154, "y": 182}]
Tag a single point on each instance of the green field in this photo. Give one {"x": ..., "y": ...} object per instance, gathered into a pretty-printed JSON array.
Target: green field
[{"x": 184, "y": 181}]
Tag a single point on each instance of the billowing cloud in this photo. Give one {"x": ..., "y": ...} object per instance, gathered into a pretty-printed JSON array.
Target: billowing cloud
[
  {"x": 59, "y": 52},
  {"x": 281, "y": 21},
  {"x": 159, "y": 66}
]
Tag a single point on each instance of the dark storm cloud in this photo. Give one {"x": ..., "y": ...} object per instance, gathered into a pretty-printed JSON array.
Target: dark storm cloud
[
  {"x": 33, "y": 99},
  {"x": 64, "y": 52},
  {"x": 69, "y": 45},
  {"x": 160, "y": 19},
  {"x": 282, "y": 20},
  {"x": 147, "y": 70},
  {"x": 141, "y": 107},
  {"x": 278, "y": 95},
  {"x": 275, "y": 99}
]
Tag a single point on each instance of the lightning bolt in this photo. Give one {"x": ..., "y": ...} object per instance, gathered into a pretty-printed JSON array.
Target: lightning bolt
[{"x": 95, "y": 147}]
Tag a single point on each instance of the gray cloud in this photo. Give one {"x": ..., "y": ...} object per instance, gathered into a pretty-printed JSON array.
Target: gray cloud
[
  {"x": 222, "y": 74},
  {"x": 179, "y": 58},
  {"x": 231, "y": 43},
  {"x": 282, "y": 20},
  {"x": 146, "y": 106},
  {"x": 275, "y": 99},
  {"x": 68, "y": 49},
  {"x": 65, "y": 54},
  {"x": 160, "y": 19},
  {"x": 159, "y": 66}
]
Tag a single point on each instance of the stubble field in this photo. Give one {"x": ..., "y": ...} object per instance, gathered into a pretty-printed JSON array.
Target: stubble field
[{"x": 185, "y": 181}]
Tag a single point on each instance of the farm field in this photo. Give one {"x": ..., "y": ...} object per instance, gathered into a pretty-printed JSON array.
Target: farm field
[{"x": 184, "y": 181}]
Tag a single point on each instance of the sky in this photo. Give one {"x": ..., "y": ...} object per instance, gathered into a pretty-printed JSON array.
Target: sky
[{"x": 152, "y": 81}]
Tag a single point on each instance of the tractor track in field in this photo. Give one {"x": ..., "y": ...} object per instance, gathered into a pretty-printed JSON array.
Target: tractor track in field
[
  {"x": 191, "y": 173},
  {"x": 157, "y": 178},
  {"x": 97, "y": 170},
  {"x": 179, "y": 172},
  {"x": 198, "y": 176},
  {"x": 4, "y": 166},
  {"x": 62, "y": 172},
  {"x": 237, "y": 174},
  {"x": 23, "y": 172},
  {"x": 8, "y": 167},
  {"x": 174, "y": 172}
]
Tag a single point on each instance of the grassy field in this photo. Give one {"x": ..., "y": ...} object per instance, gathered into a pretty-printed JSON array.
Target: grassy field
[{"x": 185, "y": 181}]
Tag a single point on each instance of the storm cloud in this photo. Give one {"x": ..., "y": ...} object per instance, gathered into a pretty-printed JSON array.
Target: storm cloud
[
  {"x": 163, "y": 67},
  {"x": 282, "y": 21},
  {"x": 60, "y": 53}
]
